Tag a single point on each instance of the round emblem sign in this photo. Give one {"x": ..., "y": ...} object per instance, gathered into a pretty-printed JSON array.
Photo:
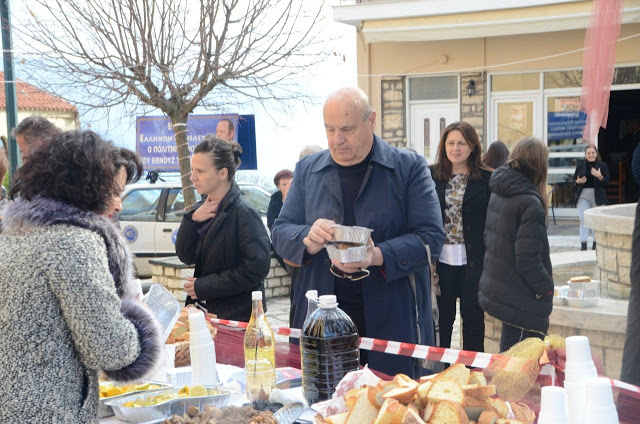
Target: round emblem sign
[
  {"x": 174, "y": 236},
  {"x": 130, "y": 233}
]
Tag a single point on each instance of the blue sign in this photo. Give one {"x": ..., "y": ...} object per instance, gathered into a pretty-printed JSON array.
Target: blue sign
[
  {"x": 565, "y": 125},
  {"x": 174, "y": 236},
  {"x": 156, "y": 145},
  {"x": 130, "y": 233}
]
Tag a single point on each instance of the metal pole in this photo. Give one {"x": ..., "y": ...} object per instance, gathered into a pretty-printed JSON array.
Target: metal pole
[{"x": 9, "y": 86}]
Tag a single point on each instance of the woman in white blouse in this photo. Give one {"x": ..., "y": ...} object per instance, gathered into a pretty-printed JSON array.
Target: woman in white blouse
[{"x": 462, "y": 184}]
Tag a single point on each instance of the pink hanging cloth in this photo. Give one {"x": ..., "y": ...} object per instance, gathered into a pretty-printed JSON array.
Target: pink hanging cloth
[{"x": 598, "y": 63}]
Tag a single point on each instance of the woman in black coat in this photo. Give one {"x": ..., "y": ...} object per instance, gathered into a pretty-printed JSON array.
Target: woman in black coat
[
  {"x": 516, "y": 286},
  {"x": 462, "y": 184},
  {"x": 223, "y": 236},
  {"x": 592, "y": 176}
]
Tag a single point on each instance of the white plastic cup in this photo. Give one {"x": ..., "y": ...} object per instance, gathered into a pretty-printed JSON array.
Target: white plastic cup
[
  {"x": 553, "y": 406},
  {"x": 203, "y": 365},
  {"x": 576, "y": 398},
  {"x": 199, "y": 338},
  {"x": 600, "y": 408},
  {"x": 578, "y": 350},
  {"x": 196, "y": 321}
]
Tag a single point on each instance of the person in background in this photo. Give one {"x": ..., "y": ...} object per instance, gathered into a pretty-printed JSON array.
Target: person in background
[
  {"x": 462, "y": 184},
  {"x": 282, "y": 181},
  {"x": 32, "y": 132},
  {"x": 131, "y": 169},
  {"x": 516, "y": 285},
  {"x": 223, "y": 235},
  {"x": 309, "y": 149},
  {"x": 496, "y": 156},
  {"x": 61, "y": 259},
  {"x": 591, "y": 176},
  {"x": 361, "y": 180},
  {"x": 225, "y": 130}
]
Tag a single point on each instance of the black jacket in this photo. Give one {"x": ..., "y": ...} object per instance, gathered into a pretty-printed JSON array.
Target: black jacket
[
  {"x": 631, "y": 355},
  {"x": 598, "y": 186},
  {"x": 516, "y": 286},
  {"x": 275, "y": 205},
  {"x": 474, "y": 212},
  {"x": 231, "y": 260}
]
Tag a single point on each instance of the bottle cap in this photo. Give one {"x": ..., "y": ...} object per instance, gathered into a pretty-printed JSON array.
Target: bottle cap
[
  {"x": 328, "y": 301},
  {"x": 256, "y": 295},
  {"x": 312, "y": 294}
]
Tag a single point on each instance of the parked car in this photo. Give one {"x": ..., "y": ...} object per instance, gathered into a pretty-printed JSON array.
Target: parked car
[{"x": 151, "y": 215}]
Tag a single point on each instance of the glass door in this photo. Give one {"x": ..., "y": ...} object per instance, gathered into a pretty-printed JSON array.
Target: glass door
[{"x": 515, "y": 118}]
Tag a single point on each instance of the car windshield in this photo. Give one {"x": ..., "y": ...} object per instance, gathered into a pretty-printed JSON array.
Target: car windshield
[{"x": 257, "y": 198}]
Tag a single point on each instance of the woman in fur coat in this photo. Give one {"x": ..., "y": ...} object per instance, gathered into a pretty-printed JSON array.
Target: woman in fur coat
[{"x": 65, "y": 277}]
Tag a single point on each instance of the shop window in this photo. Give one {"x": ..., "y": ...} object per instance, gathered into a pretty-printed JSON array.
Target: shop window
[
  {"x": 627, "y": 75},
  {"x": 563, "y": 79},
  {"x": 565, "y": 121},
  {"x": 515, "y": 121},
  {"x": 515, "y": 82},
  {"x": 434, "y": 88}
]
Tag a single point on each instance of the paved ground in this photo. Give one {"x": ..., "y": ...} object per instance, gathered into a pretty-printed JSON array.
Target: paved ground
[{"x": 564, "y": 242}]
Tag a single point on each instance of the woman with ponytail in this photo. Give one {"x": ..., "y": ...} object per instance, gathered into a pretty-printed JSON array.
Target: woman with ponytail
[
  {"x": 223, "y": 235},
  {"x": 516, "y": 286}
]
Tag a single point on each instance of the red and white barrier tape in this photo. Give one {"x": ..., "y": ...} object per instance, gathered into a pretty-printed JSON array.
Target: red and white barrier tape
[{"x": 449, "y": 356}]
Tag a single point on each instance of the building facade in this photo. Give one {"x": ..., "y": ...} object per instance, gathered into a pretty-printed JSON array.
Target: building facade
[{"x": 509, "y": 68}]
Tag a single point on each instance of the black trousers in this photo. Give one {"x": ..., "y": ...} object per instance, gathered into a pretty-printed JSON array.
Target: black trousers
[
  {"x": 511, "y": 335},
  {"x": 453, "y": 286}
]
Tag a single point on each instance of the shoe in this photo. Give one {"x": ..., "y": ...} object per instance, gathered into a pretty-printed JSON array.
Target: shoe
[
  {"x": 594, "y": 246},
  {"x": 583, "y": 246}
]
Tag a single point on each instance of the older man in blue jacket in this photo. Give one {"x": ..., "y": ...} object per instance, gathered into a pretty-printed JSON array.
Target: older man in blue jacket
[{"x": 363, "y": 181}]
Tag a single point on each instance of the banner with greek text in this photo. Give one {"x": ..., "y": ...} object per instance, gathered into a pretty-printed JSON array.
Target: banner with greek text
[{"x": 156, "y": 145}]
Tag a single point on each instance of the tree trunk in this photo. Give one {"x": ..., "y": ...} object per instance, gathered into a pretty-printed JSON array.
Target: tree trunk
[{"x": 180, "y": 131}]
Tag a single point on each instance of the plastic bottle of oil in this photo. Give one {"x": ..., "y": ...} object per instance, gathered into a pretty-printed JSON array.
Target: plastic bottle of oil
[{"x": 259, "y": 342}]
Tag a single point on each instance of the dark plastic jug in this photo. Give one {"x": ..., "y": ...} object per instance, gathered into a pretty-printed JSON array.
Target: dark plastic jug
[{"x": 329, "y": 349}]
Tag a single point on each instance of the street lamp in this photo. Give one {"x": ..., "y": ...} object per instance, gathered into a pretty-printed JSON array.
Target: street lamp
[{"x": 471, "y": 88}]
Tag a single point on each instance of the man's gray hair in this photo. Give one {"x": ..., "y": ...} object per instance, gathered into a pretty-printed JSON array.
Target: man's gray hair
[
  {"x": 36, "y": 129},
  {"x": 359, "y": 97},
  {"x": 309, "y": 150}
]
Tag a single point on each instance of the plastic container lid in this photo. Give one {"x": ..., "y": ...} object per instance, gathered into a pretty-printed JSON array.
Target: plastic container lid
[
  {"x": 328, "y": 301},
  {"x": 256, "y": 295},
  {"x": 164, "y": 306}
]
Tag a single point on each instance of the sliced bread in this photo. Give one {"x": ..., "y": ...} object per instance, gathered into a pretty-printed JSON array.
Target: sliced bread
[
  {"x": 488, "y": 417},
  {"x": 457, "y": 372},
  {"x": 428, "y": 411},
  {"x": 387, "y": 411},
  {"x": 499, "y": 405},
  {"x": 475, "y": 407},
  {"x": 445, "y": 389},
  {"x": 363, "y": 411},
  {"x": 336, "y": 419},
  {"x": 480, "y": 392},
  {"x": 404, "y": 394},
  {"x": 412, "y": 417},
  {"x": 447, "y": 412},
  {"x": 477, "y": 377}
]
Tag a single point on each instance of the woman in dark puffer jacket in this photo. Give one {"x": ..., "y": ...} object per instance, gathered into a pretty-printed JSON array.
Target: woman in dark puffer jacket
[{"x": 516, "y": 286}]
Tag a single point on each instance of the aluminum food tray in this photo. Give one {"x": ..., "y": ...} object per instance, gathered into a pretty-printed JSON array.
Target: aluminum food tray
[
  {"x": 107, "y": 411},
  {"x": 357, "y": 235},
  {"x": 166, "y": 409},
  {"x": 350, "y": 255}
]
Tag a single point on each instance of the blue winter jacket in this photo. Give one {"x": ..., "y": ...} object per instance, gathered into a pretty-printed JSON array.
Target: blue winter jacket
[{"x": 399, "y": 202}]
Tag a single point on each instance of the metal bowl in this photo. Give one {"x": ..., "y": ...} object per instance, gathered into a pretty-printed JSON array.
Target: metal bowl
[{"x": 357, "y": 235}]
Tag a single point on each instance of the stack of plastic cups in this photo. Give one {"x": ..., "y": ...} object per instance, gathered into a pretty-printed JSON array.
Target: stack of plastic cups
[
  {"x": 578, "y": 369},
  {"x": 600, "y": 408},
  {"x": 203, "y": 352},
  {"x": 553, "y": 406}
]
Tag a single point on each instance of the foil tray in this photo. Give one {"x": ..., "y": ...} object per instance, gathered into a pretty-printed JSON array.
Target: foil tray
[
  {"x": 178, "y": 406},
  {"x": 357, "y": 235},
  {"x": 107, "y": 411},
  {"x": 350, "y": 255}
]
